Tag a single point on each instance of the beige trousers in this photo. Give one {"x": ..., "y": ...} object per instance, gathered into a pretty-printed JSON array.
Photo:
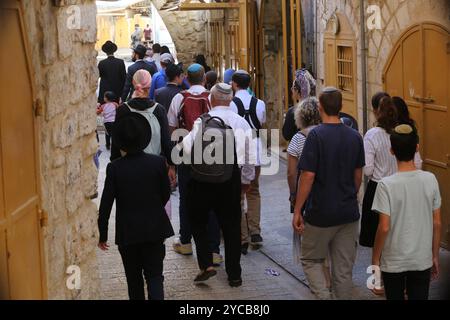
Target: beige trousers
[
  {"x": 251, "y": 218},
  {"x": 340, "y": 244}
]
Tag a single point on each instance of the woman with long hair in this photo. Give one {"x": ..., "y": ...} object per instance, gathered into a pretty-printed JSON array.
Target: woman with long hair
[
  {"x": 380, "y": 162},
  {"x": 403, "y": 112}
]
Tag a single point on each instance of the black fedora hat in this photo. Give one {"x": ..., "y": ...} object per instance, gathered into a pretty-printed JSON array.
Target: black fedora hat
[
  {"x": 109, "y": 47},
  {"x": 140, "y": 50},
  {"x": 132, "y": 132}
]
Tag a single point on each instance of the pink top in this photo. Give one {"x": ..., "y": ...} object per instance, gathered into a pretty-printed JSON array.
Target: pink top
[{"x": 109, "y": 112}]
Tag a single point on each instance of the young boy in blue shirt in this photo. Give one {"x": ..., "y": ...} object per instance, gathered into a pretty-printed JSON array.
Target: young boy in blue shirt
[{"x": 408, "y": 236}]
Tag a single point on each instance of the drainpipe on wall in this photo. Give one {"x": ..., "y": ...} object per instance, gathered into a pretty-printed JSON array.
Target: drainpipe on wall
[
  {"x": 363, "y": 64},
  {"x": 316, "y": 39}
]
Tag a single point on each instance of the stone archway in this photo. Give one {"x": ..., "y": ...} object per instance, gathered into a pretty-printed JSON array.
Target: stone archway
[{"x": 187, "y": 29}]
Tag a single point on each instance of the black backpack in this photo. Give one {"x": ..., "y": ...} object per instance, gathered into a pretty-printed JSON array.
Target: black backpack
[
  {"x": 250, "y": 114},
  {"x": 214, "y": 136}
]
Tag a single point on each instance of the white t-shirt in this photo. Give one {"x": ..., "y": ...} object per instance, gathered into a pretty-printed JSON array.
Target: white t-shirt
[
  {"x": 175, "y": 106},
  {"x": 246, "y": 156},
  {"x": 260, "y": 113},
  {"x": 409, "y": 199},
  {"x": 380, "y": 162}
]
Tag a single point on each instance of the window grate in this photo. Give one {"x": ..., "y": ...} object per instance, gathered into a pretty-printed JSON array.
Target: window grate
[{"x": 345, "y": 68}]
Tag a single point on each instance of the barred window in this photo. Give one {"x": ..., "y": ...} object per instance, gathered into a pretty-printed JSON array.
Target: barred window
[{"x": 345, "y": 68}]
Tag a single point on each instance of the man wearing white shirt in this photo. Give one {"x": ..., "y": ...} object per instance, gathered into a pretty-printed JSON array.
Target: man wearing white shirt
[
  {"x": 224, "y": 198},
  {"x": 254, "y": 111},
  {"x": 182, "y": 245},
  {"x": 196, "y": 79}
]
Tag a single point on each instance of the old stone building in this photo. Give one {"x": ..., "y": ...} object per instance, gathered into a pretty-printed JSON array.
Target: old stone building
[
  {"x": 186, "y": 28},
  {"x": 49, "y": 78},
  {"x": 404, "y": 50},
  {"x": 48, "y": 222}
]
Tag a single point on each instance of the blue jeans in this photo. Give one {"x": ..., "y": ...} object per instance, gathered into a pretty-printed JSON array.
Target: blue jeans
[{"x": 184, "y": 175}]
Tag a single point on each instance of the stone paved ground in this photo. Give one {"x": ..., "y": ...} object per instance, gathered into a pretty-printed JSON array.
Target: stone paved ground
[{"x": 179, "y": 271}]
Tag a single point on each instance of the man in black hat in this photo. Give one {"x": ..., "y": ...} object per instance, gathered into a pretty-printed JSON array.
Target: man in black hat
[
  {"x": 112, "y": 72},
  {"x": 139, "y": 184},
  {"x": 139, "y": 63}
]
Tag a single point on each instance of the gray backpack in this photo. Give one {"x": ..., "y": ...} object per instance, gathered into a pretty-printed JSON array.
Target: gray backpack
[
  {"x": 154, "y": 147},
  {"x": 213, "y": 162}
]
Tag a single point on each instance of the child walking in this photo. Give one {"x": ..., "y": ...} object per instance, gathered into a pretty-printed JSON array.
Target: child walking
[
  {"x": 139, "y": 184},
  {"x": 408, "y": 236},
  {"x": 108, "y": 111}
]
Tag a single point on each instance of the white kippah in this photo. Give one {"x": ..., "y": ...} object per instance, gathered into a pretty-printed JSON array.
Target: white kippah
[
  {"x": 241, "y": 71},
  {"x": 330, "y": 90},
  {"x": 223, "y": 88},
  {"x": 403, "y": 129}
]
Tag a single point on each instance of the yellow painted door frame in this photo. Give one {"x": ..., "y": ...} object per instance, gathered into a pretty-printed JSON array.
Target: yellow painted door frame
[
  {"x": 341, "y": 71},
  {"x": 20, "y": 215}
]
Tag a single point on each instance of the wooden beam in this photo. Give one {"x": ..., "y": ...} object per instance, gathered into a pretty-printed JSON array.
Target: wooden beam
[
  {"x": 189, "y": 6},
  {"x": 259, "y": 81},
  {"x": 243, "y": 35},
  {"x": 285, "y": 55},
  {"x": 299, "y": 49},
  {"x": 293, "y": 33}
]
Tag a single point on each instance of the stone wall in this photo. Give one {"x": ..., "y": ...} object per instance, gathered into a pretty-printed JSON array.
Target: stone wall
[
  {"x": 65, "y": 73},
  {"x": 187, "y": 29},
  {"x": 397, "y": 16}
]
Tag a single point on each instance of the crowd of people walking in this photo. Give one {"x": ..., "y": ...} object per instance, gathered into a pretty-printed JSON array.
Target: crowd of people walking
[{"x": 158, "y": 112}]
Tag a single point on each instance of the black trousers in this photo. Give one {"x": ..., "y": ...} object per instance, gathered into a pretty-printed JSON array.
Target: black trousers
[
  {"x": 416, "y": 283},
  {"x": 369, "y": 218},
  {"x": 224, "y": 200},
  {"x": 144, "y": 261},
  {"x": 109, "y": 128},
  {"x": 184, "y": 176}
]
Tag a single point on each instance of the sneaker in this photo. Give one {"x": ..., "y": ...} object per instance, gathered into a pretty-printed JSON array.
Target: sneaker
[
  {"x": 235, "y": 283},
  {"x": 217, "y": 259},
  {"x": 205, "y": 276},
  {"x": 256, "y": 240},
  {"x": 184, "y": 249},
  {"x": 244, "y": 248}
]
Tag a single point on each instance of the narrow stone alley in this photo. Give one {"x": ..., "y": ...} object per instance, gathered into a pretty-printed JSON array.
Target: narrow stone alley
[
  {"x": 68, "y": 66},
  {"x": 277, "y": 255}
]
